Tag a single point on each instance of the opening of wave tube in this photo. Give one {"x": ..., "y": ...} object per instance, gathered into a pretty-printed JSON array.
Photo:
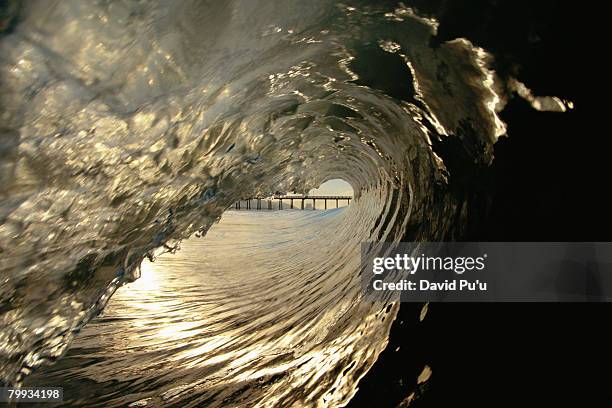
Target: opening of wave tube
[{"x": 332, "y": 194}]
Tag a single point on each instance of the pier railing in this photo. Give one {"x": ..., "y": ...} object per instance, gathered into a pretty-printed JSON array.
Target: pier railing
[{"x": 267, "y": 203}]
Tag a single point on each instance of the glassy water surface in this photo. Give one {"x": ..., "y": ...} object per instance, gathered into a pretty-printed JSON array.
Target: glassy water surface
[{"x": 257, "y": 313}]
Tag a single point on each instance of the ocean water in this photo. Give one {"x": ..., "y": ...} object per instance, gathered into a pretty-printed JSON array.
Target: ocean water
[
  {"x": 245, "y": 317},
  {"x": 129, "y": 126}
]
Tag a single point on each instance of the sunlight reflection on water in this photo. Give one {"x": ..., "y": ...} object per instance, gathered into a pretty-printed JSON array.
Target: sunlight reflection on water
[{"x": 264, "y": 310}]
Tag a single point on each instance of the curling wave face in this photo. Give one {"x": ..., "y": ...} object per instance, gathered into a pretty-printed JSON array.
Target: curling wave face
[{"x": 129, "y": 126}]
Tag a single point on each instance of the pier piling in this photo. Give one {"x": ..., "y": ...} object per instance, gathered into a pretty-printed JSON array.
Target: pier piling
[{"x": 291, "y": 198}]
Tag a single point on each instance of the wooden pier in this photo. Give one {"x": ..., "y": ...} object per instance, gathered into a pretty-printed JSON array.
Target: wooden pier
[{"x": 269, "y": 202}]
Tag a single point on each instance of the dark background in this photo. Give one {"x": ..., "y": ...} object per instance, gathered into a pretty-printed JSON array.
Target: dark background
[{"x": 549, "y": 182}]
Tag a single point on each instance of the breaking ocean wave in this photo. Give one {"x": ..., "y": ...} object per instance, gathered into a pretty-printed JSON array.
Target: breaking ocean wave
[{"x": 130, "y": 126}]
